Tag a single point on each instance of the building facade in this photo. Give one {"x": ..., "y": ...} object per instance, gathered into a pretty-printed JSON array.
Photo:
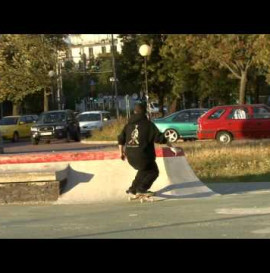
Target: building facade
[{"x": 91, "y": 45}]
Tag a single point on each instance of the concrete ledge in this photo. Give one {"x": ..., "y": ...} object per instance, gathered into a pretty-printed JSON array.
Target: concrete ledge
[
  {"x": 29, "y": 177},
  {"x": 32, "y": 187},
  {"x": 29, "y": 192}
]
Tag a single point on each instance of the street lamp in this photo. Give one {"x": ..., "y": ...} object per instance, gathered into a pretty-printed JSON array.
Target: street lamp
[
  {"x": 145, "y": 50},
  {"x": 51, "y": 75},
  {"x": 114, "y": 98},
  {"x": 115, "y": 78}
]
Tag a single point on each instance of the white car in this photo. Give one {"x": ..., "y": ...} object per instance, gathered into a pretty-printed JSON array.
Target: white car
[{"x": 93, "y": 120}]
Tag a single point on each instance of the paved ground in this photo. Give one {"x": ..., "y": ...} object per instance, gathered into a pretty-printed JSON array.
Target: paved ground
[{"x": 244, "y": 215}]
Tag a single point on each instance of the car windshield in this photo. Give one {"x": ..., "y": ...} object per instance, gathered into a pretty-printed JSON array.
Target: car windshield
[
  {"x": 53, "y": 117},
  {"x": 9, "y": 121},
  {"x": 89, "y": 117}
]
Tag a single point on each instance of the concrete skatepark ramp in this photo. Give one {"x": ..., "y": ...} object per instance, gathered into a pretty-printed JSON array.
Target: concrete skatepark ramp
[{"x": 101, "y": 176}]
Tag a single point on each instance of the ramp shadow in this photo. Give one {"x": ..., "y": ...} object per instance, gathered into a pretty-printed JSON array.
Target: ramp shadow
[
  {"x": 74, "y": 178},
  {"x": 238, "y": 187},
  {"x": 184, "y": 186}
]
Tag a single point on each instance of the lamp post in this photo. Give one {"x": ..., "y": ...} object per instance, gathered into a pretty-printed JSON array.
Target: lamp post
[
  {"x": 145, "y": 50},
  {"x": 115, "y": 78},
  {"x": 51, "y": 74}
]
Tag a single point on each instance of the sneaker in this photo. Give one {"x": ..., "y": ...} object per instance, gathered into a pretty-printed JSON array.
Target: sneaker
[{"x": 130, "y": 192}]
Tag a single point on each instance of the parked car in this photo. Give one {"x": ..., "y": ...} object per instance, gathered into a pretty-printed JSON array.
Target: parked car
[
  {"x": 93, "y": 120},
  {"x": 228, "y": 122},
  {"x": 55, "y": 125},
  {"x": 16, "y": 127},
  {"x": 182, "y": 124}
]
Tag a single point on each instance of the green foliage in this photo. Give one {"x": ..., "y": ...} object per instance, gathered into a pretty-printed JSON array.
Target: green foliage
[
  {"x": 234, "y": 53},
  {"x": 132, "y": 66},
  {"x": 25, "y": 61}
]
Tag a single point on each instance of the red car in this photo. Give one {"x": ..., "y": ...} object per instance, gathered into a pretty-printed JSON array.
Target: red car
[{"x": 228, "y": 122}]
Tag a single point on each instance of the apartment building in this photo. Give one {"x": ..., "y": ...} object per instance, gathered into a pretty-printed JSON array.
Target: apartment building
[{"x": 91, "y": 45}]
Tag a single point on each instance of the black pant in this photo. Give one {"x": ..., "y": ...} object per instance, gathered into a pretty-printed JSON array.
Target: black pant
[{"x": 145, "y": 178}]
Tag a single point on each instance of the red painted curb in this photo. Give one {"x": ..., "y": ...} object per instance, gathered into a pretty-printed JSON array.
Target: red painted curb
[{"x": 73, "y": 156}]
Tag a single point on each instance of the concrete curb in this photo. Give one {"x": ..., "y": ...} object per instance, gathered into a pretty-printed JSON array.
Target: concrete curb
[
  {"x": 99, "y": 142},
  {"x": 71, "y": 156}
]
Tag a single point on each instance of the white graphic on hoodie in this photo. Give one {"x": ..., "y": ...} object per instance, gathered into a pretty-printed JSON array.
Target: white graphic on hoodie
[{"x": 134, "y": 136}]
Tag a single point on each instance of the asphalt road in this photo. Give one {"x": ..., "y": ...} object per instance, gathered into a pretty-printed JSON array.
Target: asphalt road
[{"x": 25, "y": 146}]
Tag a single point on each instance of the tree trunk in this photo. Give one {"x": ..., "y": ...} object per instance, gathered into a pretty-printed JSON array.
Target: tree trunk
[
  {"x": 201, "y": 103},
  {"x": 15, "y": 108},
  {"x": 257, "y": 91},
  {"x": 46, "y": 101},
  {"x": 161, "y": 104},
  {"x": 243, "y": 83},
  {"x": 175, "y": 106}
]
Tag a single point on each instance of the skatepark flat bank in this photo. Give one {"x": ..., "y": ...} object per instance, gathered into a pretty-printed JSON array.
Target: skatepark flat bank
[{"x": 99, "y": 176}]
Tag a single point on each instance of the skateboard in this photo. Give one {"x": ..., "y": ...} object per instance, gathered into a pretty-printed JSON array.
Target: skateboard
[{"x": 143, "y": 197}]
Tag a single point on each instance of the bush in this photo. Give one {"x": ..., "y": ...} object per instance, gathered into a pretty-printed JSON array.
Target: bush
[{"x": 110, "y": 132}]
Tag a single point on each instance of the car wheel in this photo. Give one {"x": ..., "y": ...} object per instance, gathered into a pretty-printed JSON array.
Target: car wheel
[
  {"x": 171, "y": 135},
  {"x": 15, "y": 137},
  {"x": 68, "y": 137},
  {"x": 224, "y": 137},
  {"x": 35, "y": 141}
]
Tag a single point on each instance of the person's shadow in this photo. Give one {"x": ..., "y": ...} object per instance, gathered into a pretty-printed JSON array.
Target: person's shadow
[{"x": 70, "y": 179}]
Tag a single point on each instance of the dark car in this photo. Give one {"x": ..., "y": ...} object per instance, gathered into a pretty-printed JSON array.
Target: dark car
[{"x": 61, "y": 124}]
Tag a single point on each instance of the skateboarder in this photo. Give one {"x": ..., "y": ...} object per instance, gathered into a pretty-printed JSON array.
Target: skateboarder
[{"x": 136, "y": 142}]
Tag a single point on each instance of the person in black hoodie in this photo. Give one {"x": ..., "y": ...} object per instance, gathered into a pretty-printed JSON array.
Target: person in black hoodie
[{"x": 136, "y": 143}]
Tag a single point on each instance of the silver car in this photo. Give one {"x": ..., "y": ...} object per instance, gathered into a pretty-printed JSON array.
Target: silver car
[{"x": 93, "y": 120}]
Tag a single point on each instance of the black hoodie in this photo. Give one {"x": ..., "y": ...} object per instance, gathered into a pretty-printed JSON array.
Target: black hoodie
[{"x": 139, "y": 136}]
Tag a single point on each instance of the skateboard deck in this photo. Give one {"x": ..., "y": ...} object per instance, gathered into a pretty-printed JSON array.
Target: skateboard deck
[{"x": 143, "y": 197}]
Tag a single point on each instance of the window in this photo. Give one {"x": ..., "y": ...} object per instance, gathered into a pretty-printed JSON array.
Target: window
[
  {"x": 35, "y": 117},
  {"x": 91, "y": 52},
  {"x": 239, "y": 113},
  {"x": 23, "y": 119},
  {"x": 29, "y": 119},
  {"x": 195, "y": 115},
  {"x": 89, "y": 117},
  {"x": 52, "y": 117},
  {"x": 9, "y": 121},
  {"x": 217, "y": 114},
  {"x": 103, "y": 49},
  {"x": 261, "y": 112},
  {"x": 182, "y": 117}
]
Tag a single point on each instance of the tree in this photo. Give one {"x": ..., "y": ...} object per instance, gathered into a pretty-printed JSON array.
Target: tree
[
  {"x": 133, "y": 66},
  {"x": 236, "y": 53},
  {"x": 25, "y": 61},
  {"x": 157, "y": 68},
  {"x": 129, "y": 65}
]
